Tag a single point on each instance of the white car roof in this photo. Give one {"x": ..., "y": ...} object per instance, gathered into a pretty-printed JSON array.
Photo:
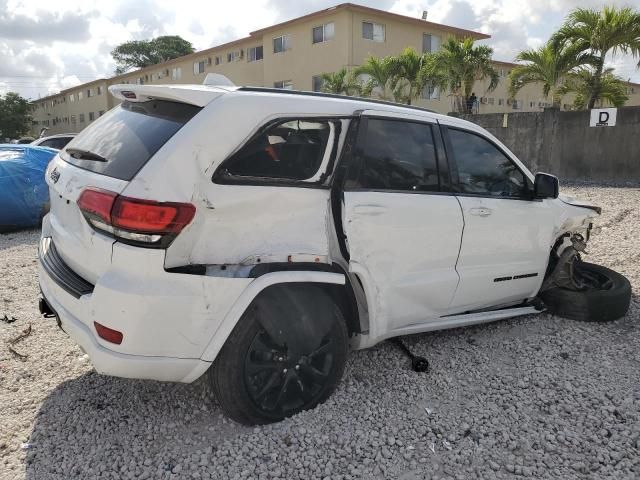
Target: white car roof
[{"x": 201, "y": 95}]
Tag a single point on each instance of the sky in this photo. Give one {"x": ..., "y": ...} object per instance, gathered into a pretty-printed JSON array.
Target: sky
[{"x": 46, "y": 46}]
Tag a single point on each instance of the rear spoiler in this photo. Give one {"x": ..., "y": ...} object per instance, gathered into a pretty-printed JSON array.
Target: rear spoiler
[{"x": 198, "y": 95}]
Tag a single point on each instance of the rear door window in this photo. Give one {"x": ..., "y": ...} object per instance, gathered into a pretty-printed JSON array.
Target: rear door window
[
  {"x": 127, "y": 136},
  {"x": 287, "y": 151},
  {"x": 397, "y": 155}
]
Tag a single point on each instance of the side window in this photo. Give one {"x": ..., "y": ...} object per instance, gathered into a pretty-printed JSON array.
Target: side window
[
  {"x": 398, "y": 155},
  {"x": 58, "y": 142},
  {"x": 483, "y": 169},
  {"x": 289, "y": 150}
]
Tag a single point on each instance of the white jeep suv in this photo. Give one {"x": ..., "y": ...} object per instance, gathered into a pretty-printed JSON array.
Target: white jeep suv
[{"x": 260, "y": 234}]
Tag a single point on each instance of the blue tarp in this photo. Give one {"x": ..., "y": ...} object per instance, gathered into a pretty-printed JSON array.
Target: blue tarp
[{"x": 24, "y": 194}]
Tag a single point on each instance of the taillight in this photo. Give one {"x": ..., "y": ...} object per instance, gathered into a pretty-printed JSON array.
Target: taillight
[
  {"x": 108, "y": 334},
  {"x": 142, "y": 222}
]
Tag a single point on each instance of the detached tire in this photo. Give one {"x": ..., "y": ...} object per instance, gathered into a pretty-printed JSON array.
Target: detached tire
[
  {"x": 604, "y": 304},
  {"x": 286, "y": 354}
]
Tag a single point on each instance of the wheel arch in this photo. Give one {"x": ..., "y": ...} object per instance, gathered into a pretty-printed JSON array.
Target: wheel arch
[{"x": 334, "y": 283}]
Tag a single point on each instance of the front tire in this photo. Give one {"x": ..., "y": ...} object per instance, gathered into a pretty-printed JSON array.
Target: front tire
[
  {"x": 286, "y": 354},
  {"x": 606, "y": 298}
]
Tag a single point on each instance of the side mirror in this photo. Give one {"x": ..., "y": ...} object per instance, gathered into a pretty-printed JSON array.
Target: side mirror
[{"x": 546, "y": 186}]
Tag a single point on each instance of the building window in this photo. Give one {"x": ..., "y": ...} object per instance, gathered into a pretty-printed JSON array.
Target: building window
[
  {"x": 209, "y": 61},
  {"x": 501, "y": 101},
  {"x": 218, "y": 60},
  {"x": 233, "y": 56},
  {"x": 284, "y": 84},
  {"x": 430, "y": 43},
  {"x": 81, "y": 117},
  {"x": 92, "y": 116},
  {"x": 316, "y": 83},
  {"x": 255, "y": 53},
  {"x": 100, "y": 113},
  {"x": 373, "y": 31},
  {"x": 99, "y": 90},
  {"x": 282, "y": 44},
  {"x": 176, "y": 73},
  {"x": 323, "y": 32},
  {"x": 73, "y": 119},
  {"x": 80, "y": 95},
  {"x": 89, "y": 93},
  {"x": 198, "y": 67},
  {"x": 491, "y": 100}
]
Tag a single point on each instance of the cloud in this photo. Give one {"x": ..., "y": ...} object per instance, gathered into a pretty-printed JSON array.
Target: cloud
[
  {"x": 45, "y": 27},
  {"x": 292, "y": 9},
  {"x": 46, "y": 46},
  {"x": 152, "y": 19}
]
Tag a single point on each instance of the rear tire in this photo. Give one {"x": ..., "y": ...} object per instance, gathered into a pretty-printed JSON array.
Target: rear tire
[
  {"x": 286, "y": 354},
  {"x": 595, "y": 304}
]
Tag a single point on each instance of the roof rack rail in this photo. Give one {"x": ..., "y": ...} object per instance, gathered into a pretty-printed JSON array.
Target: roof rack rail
[{"x": 331, "y": 95}]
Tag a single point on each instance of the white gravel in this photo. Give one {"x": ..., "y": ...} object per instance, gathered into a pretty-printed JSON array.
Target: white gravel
[{"x": 538, "y": 396}]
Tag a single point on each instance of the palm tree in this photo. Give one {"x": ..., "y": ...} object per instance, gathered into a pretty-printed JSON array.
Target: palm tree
[
  {"x": 408, "y": 75},
  {"x": 379, "y": 73},
  {"x": 342, "y": 82},
  {"x": 582, "y": 82},
  {"x": 547, "y": 65},
  {"x": 602, "y": 32},
  {"x": 461, "y": 63}
]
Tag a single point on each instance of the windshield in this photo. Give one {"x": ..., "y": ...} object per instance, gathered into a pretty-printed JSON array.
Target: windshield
[{"x": 128, "y": 136}]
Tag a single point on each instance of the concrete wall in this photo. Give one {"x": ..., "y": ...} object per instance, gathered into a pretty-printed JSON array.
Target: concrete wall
[{"x": 563, "y": 143}]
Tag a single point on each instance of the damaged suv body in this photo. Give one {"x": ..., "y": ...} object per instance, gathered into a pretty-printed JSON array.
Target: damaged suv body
[{"x": 259, "y": 234}]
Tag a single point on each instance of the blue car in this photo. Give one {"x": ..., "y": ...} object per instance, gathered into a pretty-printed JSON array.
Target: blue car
[{"x": 24, "y": 195}]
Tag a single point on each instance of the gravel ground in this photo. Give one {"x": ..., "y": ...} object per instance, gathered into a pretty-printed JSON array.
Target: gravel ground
[{"x": 537, "y": 396}]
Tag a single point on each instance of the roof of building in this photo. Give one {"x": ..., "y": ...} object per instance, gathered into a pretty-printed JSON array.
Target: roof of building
[{"x": 373, "y": 11}]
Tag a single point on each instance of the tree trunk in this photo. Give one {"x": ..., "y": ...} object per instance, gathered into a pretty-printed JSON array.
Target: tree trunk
[{"x": 595, "y": 88}]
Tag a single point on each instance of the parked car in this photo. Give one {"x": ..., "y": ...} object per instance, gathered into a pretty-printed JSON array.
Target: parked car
[
  {"x": 24, "y": 194},
  {"x": 58, "y": 141},
  {"x": 261, "y": 234},
  {"x": 22, "y": 141}
]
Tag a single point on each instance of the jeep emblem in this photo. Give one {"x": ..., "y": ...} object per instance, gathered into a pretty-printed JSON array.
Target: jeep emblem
[{"x": 54, "y": 175}]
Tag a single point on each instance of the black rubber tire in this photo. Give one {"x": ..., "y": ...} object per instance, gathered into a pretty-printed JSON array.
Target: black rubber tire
[
  {"x": 591, "y": 305},
  {"x": 297, "y": 304}
]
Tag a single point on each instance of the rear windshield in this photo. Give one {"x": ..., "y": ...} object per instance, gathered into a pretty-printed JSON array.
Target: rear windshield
[{"x": 127, "y": 136}]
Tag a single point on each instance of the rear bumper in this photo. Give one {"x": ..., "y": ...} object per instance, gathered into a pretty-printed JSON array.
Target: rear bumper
[
  {"x": 167, "y": 319},
  {"x": 107, "y": 361}
]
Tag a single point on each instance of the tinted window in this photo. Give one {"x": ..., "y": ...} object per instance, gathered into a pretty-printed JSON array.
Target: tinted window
[
  {"x": 58, "y": 142},
  {"x": 129, "y": 135},
  {"x": 483, "y": 169},
  {"x": 398, "y": 155},
  {"x": 291, "y": 150}
]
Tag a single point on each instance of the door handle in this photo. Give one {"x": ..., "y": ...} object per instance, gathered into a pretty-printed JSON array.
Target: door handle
[
  {"x": 480, "y": 211},
  {"x": 369, "y": 209}
]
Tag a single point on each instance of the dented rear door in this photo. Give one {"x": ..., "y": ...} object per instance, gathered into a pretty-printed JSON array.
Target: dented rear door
[{"x": 403, "y": 229}]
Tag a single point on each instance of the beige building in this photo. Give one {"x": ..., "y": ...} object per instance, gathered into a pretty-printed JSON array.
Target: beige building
[{"x": 293, "y": 55}]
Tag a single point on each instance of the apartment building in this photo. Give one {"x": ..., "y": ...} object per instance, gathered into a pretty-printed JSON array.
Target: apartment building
[{"x": 293, "y": 55}]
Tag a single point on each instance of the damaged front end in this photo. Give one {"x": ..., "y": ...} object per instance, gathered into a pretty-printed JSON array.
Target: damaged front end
[{"x": 562, "y": 271}]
